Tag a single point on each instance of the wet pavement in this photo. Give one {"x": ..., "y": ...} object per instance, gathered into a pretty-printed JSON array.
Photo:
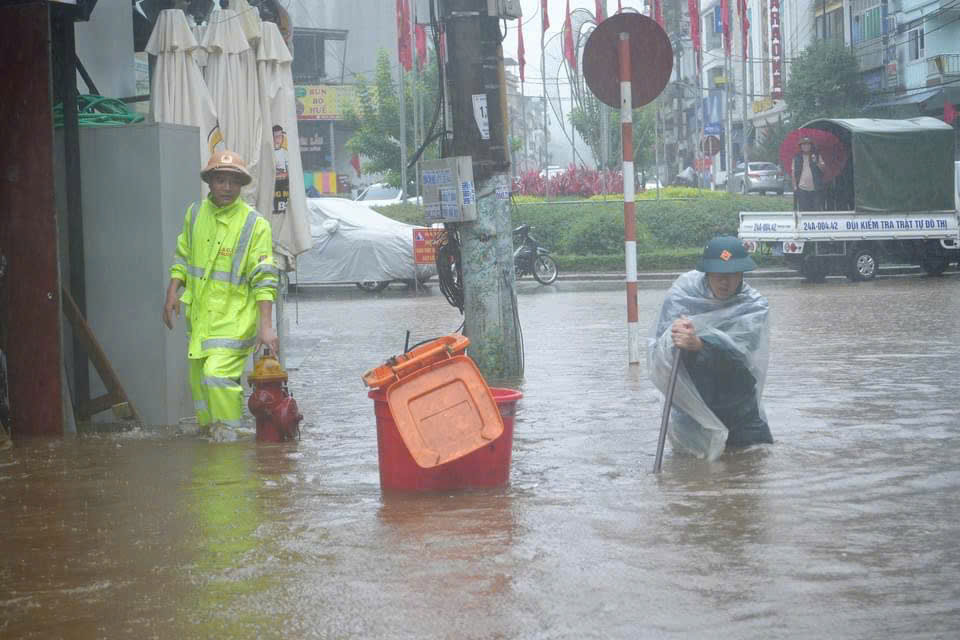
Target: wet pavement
[{"x": 847, "y": 527}]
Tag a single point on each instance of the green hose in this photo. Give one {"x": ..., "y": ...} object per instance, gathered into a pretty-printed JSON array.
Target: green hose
[{"x": 98, "y": 111}]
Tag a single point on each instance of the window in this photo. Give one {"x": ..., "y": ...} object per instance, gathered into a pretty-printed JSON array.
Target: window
[
  {"x": 308, "y": 62},
  {"x": 915, "y": 44},
  {"x": 868, "y": 21},
  {"x": 310, "y": 50},
  {"x": 711, "y": 33}
]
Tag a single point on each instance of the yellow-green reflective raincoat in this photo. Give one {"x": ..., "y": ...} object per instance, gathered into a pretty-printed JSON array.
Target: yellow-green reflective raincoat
[{"x": 225, "y": 257}]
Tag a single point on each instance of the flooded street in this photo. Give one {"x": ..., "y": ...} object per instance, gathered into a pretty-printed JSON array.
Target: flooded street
[{"x": 846, "y": 527}]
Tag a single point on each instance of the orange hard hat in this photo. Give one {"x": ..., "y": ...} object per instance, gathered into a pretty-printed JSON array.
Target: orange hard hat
[{"x": 227, "y": 161}]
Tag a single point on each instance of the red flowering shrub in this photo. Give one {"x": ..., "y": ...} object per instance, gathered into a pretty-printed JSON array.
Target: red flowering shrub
[{"x": 574, "y": 181}]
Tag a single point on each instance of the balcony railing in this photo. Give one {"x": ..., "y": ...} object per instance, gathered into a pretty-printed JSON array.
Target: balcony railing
[{"x": 942, "y": 67}]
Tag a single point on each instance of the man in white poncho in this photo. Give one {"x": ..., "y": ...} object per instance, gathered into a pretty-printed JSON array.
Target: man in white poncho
[{"x": 719, "y": 323}]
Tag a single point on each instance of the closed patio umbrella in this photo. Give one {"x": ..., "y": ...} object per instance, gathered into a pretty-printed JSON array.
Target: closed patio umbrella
[
  {"x": 282, "y": 196},
  {"x": 231, "y": 76},
  {"x": 179, "y": 94}
]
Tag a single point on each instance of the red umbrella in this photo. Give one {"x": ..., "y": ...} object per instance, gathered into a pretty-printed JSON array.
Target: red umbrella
[{"x": 831, "y": 149}]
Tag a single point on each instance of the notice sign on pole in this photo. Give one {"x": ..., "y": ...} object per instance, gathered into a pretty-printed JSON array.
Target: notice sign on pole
[{"x": 424, "y": 249}]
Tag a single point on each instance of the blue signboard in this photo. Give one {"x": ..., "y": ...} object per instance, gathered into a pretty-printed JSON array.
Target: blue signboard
[
  {"x": 717, "y": 20},
  {"x": 713, "y": 113}
]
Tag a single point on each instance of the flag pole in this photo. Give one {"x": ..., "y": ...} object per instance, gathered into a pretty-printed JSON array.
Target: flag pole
[
  {"x": 543, "y": 79},
  {"x": 403, "y": 113}
]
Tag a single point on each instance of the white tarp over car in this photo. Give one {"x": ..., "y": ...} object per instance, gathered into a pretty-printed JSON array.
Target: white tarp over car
[{"x": 354, "y": 243}]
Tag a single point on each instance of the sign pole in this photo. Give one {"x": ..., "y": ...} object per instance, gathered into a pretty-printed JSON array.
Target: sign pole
[
  {"x": 629, "y": 205},
  {"x": 645, "y": 62}
]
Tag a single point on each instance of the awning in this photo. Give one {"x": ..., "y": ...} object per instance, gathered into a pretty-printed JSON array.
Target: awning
[
  {"x": 928, "y": 99},
  {"x": 904, "y": 100}
]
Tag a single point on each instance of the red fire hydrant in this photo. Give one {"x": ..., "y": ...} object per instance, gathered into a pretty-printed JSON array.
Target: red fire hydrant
[{"x": 278, "y": 418}]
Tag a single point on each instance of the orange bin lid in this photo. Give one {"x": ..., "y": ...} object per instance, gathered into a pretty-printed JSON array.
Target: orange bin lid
[
  {"x": 417, "y": 358},
  {"x": 444, "y": 411}
]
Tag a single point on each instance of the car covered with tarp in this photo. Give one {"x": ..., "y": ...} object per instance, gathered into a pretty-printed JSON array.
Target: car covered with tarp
[
  {"x": 352, "y": 243},
  {"x": 889, "y": 195}
]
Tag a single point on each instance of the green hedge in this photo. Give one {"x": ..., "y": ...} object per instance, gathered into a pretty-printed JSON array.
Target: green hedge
[
  {"x": 679, "y": 260},
  {"x": 669, "y": 230}
]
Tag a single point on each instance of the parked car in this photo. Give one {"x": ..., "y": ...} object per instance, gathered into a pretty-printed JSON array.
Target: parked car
[
  {"x": 354, "y": 243},
  {"x": 381, "y": 194},
  {"x": 762, "y": 177},
  {"x": 551, "y": 171}
]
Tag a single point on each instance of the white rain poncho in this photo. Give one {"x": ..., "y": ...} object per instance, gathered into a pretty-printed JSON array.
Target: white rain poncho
[{"x": 720, "y": 385}]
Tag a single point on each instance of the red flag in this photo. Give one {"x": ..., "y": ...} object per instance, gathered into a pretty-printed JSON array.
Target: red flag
[
  {"x": 520, "y": 50},
  {"x": 404, "y": 52},
  {"x": 619, "y": 7},
  {"x": 568, "y": 51},
  {"x": 658, "y": 12},
  {"x": 725, "y": 9},
  {"x": 949, "y": 111},
  {"x": 355, "y": 163},
  {"x": 601, "y": 12},
  {"x": 744, "y": 26},
  {"x": 694, "y": 7},
  {"x": 544, "y": 18},
  {"x": 421, "y": 34}
]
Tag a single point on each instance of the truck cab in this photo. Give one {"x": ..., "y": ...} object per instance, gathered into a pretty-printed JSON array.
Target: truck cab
[{"x": 895, "y": 200}]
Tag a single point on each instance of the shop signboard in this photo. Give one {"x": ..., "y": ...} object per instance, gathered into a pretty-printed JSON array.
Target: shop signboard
[{"x": 323, "y": 101}]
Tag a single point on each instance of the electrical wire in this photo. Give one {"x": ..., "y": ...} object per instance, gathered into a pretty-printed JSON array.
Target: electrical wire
[{"x": 450, "y": 266}]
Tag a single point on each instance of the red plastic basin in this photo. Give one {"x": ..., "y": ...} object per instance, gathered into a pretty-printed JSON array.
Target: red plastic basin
[{"x": 488, "y": 466}]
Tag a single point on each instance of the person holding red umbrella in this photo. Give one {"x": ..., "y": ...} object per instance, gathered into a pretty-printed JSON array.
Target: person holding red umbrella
[{"x": 808, "y": 170}]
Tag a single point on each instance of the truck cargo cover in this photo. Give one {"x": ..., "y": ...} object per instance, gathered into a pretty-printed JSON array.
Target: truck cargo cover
[{"x": 897, "y": 165}]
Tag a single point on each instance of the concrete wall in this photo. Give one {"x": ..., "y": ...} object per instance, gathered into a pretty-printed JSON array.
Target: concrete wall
[{"x": 137, "y": 182}]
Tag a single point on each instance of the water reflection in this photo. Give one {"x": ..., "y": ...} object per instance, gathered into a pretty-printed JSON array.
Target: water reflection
[{"x": 845, "y": 527}]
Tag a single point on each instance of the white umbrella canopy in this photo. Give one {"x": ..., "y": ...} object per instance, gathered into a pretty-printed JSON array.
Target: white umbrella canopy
[
  {"x": 282, "y": 195},
  {"x": 231, "y": 75},
  {"x": 179, "y": 94}
]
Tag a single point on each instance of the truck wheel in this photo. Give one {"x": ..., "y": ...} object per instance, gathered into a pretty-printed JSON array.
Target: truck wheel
[
  {"x": 863, "y": 265},
  {"x": 933, "y": 265},
  {"x": 934, "y": 259},
  {"x": 813, "y": 270}
]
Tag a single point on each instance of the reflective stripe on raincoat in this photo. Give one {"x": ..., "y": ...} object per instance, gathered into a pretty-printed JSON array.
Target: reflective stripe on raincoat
[{"x": 225, "y": 257}]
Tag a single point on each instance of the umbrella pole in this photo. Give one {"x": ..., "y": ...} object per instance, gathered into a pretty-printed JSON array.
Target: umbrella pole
[{"x": 667, "y": 402}]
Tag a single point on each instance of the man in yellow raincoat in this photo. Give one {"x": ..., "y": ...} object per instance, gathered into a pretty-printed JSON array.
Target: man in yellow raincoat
[{"x": 223, "y": 272}]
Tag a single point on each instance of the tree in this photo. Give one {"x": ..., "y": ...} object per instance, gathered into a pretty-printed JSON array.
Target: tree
[
  {"x": 375, "y": 117},
  {"x": 587, "y": 120},
  {"x": 825, "y": 82},
  {"x": 769, "y": 141}
]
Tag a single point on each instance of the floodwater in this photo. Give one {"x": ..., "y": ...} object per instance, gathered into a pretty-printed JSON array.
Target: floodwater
[{"x": 847, "y": 527}]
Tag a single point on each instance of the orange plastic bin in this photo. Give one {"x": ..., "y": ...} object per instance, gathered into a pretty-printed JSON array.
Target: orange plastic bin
[{"x": 487, "y": 466}]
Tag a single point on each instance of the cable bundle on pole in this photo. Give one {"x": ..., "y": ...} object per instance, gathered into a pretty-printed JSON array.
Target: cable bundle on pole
[{"x": 449, "y": 267}]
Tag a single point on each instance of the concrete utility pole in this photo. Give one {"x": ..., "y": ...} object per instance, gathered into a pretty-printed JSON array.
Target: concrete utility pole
[{"x": 477, "y": 96}]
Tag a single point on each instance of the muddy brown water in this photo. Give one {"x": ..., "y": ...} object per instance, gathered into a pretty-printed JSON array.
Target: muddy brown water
[{"x": 847, "y": 527}]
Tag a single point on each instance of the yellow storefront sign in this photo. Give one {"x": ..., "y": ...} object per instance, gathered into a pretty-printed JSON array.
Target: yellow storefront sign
[{"x": 323, "y": 101}]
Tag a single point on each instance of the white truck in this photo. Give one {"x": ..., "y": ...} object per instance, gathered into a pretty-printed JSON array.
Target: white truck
[{"x": 894, "y": 201}]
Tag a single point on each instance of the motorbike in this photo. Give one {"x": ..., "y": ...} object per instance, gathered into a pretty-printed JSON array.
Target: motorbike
[{"x": 531, "y": 258}]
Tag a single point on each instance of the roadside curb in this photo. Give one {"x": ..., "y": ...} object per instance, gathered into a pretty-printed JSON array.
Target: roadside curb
[{"x": 895, "y": 270}]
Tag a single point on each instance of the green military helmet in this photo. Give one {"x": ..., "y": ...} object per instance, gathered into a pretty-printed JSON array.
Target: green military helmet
[{"x": 725, "y": 254}]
